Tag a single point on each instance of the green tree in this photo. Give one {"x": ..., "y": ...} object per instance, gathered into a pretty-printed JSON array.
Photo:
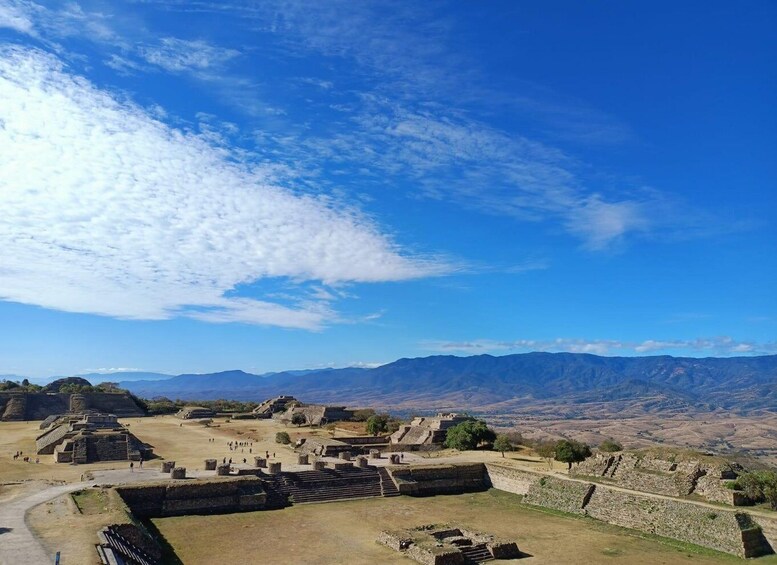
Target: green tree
[
  {"x": 282, "y": 437},
  {"x": 377, "y": 424},
  {"x": 469, "y": 435},
  {"x": 298, "y": 418},
  {"x": 610, "y": 446},
  {"x": 503, "y": 444},
  {"x": 546, "y": 450},
  {"x": 570, "y": 451}
]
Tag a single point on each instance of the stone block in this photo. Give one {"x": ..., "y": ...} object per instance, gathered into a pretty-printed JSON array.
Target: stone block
[
  {"x": 210, "y": 464},
  {"x": 167, "y": 466},
  {"x": 260, "y": 462},
  {"x": 302, "y": 459},
  {"x": 345, "y": 455},
  {"x": 275, "y": 467},
  {"x": 394, "y": 458},
  {"x": 319, "y": 465},
  {"x": 361, "y": 461},
  {"x": 223, "y": 470},
  {"x": 178, "y": 473},
  {"x": 374, "y": 454}
]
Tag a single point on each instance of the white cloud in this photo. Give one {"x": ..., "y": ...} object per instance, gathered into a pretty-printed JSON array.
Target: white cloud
[
  {"x": 107, "y": 210},
  {"x": 14, "y": 16},
  {"x": 176, "y": 55},
  {"x": 723, "y": 345}
]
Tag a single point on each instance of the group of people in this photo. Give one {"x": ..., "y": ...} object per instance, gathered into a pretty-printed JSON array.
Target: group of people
[
  {"x": 25, "y": 458},
  {"x": 234, "y": 445}
]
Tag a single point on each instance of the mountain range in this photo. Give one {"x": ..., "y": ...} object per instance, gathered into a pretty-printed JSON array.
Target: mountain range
[{"x": 486, "y": 382}]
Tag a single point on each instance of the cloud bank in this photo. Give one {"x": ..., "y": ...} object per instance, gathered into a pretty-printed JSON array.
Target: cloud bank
[
  {"x": 107, "y": 210},
  {"x": 722, "y": 345}
]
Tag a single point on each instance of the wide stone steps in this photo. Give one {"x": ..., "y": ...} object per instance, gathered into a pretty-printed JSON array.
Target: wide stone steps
[
  {"x": 387, "y": 486},
  {"x": 125, "y": 549},
  {"x": 329, "y": 485},
  {"x": 476, "y": 553}
]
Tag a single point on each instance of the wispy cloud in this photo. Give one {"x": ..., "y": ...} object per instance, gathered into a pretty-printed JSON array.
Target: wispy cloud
[
  {"x": 178, "y": 55},
  {"x": 14, "y": 16},
  {"x": 107, "y": 210},
  {"x": 723, "y": 345}
]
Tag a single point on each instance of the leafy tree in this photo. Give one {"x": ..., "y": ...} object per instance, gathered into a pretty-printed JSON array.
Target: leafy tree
[
  {"x": 469, "y": 435},
  {"x": 282, "y": 437},
  {"x": 546, "y": 450},
  {"x": 758, "y": 486},
  {"x": 298, "y": 418},
  {"x": 377, "y": 424},
  {"x": 570, "y": 451},
  {"x": 610, "y": 446},
  {"x": 25, "y": 382},
  {"x": 503, "y": 444}
]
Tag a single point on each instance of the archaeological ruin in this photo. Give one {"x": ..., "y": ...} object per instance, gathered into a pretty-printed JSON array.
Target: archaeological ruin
[
  {"x": 90, "y": 438},
  {"x": 426, "y": 432},
  {"x": 194, "y": 413},
  {"x": 21, "y": 406},
  {"x": 446, "y": 544}
]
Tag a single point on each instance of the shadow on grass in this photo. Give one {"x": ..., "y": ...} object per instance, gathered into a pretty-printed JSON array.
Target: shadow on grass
[{"x": 168, "y": 553}]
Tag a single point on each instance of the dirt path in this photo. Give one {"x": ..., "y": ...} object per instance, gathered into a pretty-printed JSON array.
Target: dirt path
[
  {"x": 17, "y": 542},
  {"x": 19, "y": 545}
]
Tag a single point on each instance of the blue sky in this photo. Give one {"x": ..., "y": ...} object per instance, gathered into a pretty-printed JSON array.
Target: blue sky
[{"x": 198, "y": 186}]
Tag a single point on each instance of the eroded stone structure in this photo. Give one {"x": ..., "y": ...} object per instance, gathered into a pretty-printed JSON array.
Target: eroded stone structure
[
  {"x": 668, "y": 474},
  {"x": 446, "y": 544},
  {"x": 274, "y": 406},
  {"x": 426, "y": 431},
  {"x": 89, "y": 438},
  {"x": 317, "y": 414},
  {"x": 194, "y": 412},
  {"x": 20, "y": 406}
]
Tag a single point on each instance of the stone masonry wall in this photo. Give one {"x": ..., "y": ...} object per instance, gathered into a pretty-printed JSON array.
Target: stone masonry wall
[
  {"x": 440, "y": 479},
  {"x": 559, "y": 494},
  {"x": 218, "y": 496},
  {"x": 510, "y": 479},
  {"x": 669, "y": 518},
  {"x": 720, "y": 529}
]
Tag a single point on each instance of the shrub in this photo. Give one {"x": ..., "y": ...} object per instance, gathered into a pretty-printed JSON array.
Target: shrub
[
  {"x": 282, "y": 437},
  {"x": 610, "y": 446}
]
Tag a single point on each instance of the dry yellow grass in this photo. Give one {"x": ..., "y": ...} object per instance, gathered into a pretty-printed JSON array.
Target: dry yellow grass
[{"x": 345, "y": 532}]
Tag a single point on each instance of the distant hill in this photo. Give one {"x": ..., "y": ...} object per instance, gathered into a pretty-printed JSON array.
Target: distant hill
[
  {"x": 97, "y": 378},
  {"x": 477, "y": 382}
]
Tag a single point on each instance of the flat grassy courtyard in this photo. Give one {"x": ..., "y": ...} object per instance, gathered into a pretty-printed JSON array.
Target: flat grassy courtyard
[{"x": 345, "y": 532}]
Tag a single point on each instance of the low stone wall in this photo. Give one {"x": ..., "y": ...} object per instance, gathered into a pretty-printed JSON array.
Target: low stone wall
[
  {"x": 559, "y": 494},
  {"x": 216, "y": 496},
  {"x": 721, "y": 529},
  {"x": 510, "y": 479},
  {"x": 669, "y": 518},
  {"x": 440, "y": 479}
]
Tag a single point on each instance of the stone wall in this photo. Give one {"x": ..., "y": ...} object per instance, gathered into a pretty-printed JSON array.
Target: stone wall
[
  {"x": 216, "y": 496},
  {"x": 559, "y": 494},
  {"x": 440, "y": 479},
  {"x": 16, "y": 406},
  {"x": 669, "y": 518},
  {"x": 721, "y": 529},
  {"x": 510, "y": 479}
]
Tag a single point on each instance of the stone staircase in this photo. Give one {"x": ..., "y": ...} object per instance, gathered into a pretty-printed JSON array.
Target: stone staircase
[
  {"x": 114, "y": 548},
  {"x": 330, "y": 485},
  {"x": 477, "y": 553},
  {"x": 387, "y": 486}
]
